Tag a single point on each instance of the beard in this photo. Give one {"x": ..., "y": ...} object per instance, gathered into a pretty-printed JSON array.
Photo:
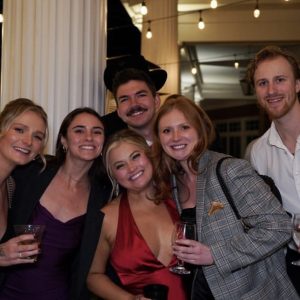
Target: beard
[{"x": 277, "y": 113}]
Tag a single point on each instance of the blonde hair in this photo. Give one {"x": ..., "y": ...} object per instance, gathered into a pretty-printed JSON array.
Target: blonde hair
[{"x": 131, "y": 137}]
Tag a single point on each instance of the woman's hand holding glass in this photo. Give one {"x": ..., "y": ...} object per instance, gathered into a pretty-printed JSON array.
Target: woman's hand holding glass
[
  {"x": 14, "y": 252},
  {"x": 182, "y": 231},
  {"x": 193, "y": 252},
  {"x": 187, "y": 249}
]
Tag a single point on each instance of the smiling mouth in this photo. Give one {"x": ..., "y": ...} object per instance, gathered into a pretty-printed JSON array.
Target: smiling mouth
[
  {"x": 136, "y": 111},
  {"x": 274, "y": 98},
  {"x": 178, "y": 147},
  {"x": 87, "y": 147},
  {"x": 23, "y": 150},
  {"x": 137, "y": 175}
]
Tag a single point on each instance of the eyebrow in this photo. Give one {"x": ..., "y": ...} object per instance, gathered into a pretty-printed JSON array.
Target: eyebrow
[
  {"x": 138, "y": 92},
  {"x": 129, "y": 156},
  {"x": 83, "y": 126},
  {"x": 26, "y": 126}
]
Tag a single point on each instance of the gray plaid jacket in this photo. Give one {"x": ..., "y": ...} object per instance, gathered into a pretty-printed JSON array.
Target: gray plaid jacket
[{"x": 246, "y": 265}]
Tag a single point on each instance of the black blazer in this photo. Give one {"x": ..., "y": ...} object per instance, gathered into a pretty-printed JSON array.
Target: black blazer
[{"x": 30, "y": 185}]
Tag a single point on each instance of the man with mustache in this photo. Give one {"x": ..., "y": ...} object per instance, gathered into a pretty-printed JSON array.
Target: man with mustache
[
  {"x": 275, "y": 76},
  {"x": 134, "y": 83}
]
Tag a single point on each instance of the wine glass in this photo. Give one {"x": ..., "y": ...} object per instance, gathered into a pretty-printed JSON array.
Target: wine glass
[
  {"x": 296, "y": 235},
  {"x": 182, "y": 230}
]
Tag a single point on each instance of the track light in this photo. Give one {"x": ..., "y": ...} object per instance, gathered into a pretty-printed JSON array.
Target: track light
[
  {"x": 201, "y": 24},
  {"x": 149, "y": 32},
  {"x": 144, "y": 9},
  {"x": 256, "y": 12},
  {"x": 213, "y": 4}
]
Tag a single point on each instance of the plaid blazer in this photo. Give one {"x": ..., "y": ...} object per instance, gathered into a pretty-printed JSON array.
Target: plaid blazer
[{"x": 246, "y": 265}]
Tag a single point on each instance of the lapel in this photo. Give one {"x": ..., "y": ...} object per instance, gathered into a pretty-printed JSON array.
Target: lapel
[
  {"x": 200, "y": 190},
  {"x": 28, "y": 196},
  {"x": 98, "y": 197}
]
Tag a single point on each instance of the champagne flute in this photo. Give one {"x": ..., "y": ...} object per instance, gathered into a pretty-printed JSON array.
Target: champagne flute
[
  {"x": 182, "y": 230},
  {"x": 296, "y": 235}
]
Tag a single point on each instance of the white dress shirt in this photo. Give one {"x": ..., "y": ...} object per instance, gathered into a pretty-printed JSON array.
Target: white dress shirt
[{"x": 269, "y": 156}]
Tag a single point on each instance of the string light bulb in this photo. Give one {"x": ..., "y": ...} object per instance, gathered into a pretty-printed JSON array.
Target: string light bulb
[
  {"x": 194, "y": 70},
  {"x": 213, "y": 4},
  {"x": 149, "y": 32},
  {"x": 144, "y": 9},
  {"x": 201, "y": 24},
  {"x": 256, "y": 12}
]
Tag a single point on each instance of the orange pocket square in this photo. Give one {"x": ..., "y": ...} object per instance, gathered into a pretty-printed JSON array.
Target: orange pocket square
[{"x": 215, "y": 207}]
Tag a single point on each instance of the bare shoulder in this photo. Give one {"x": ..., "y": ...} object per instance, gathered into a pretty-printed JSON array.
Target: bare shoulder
[
  {"x": 110, "y": 222},
  {"x": 112, "y": 207}
]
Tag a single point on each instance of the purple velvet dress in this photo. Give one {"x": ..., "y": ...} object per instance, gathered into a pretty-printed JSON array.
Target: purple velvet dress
[{"x": 49, "y": 277}]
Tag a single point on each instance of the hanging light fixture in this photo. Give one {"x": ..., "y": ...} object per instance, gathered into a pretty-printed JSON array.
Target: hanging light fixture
[
  {"x": 201, "y": 24},
  {"x": 256, "y": 12},
  {"x": 194, "y": 70},
  {"x": 236, "y": 63},
  {"x": 144, "y": 9},
  {"x": 213, "y": 4},
  {"x": 149, "y": 32}
]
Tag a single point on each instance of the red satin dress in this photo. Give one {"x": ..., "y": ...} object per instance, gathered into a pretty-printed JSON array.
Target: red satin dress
[{"x": 133, "y": 260}]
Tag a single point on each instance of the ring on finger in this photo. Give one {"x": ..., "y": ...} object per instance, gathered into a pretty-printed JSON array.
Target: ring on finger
[{"x": 2, "y": 251}]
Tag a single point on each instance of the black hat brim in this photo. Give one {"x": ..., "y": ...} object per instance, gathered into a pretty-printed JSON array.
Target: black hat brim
[{"x": 157, "y": 75}]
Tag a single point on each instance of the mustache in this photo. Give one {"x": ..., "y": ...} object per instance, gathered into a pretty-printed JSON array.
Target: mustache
[
  {"x": 273, "y": 95},
  {"x": 135, "y": 109}
]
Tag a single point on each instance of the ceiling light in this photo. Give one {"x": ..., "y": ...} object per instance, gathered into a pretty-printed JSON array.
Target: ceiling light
[
  {"x": 236, "y": 63},
  {"x": 194, "y": 70},
  {"x": 256, "y": 12},
  {"x": 213, "y": 4},
  {"x": 149, "y": 32},
  {"x": 201, "y": 24}
]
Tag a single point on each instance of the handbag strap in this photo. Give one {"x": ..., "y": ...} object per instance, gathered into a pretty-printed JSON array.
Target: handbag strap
[{"x": 225, "y": 188}]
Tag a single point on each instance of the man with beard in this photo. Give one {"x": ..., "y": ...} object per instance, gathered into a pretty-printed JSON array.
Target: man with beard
[
  {"x": 134, "y": 83},
  {"x": 275, "y": 76}
]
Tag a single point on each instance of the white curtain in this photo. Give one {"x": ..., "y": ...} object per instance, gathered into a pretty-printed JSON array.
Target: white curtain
[{"x": 53, "y": 52}]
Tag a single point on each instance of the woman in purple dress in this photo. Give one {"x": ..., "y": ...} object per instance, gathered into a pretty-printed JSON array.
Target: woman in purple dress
[{"x": 66, "y": 197}]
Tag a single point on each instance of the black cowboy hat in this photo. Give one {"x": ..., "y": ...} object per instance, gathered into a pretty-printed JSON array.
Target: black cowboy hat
[{"x": 117, "y": 64}]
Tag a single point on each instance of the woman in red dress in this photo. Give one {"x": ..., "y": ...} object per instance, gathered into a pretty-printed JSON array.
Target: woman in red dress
[{"x": 137, "y": 229}]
